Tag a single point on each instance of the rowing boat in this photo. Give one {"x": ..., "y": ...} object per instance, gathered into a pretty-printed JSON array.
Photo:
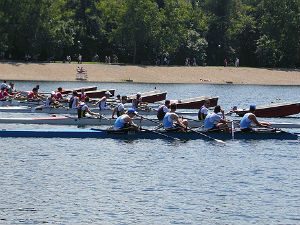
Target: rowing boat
[
  {"x": 107, "y": 112},
  {"x": 99, "y": 94},
  {"x": 65, "y": 120},
  {"x": 91, "y": 88},
  {"x": 13, "y": 102},
  {"x": 274, "y": 110},
  {"x": 150, "y": 97},
  {"x": 146, "y": 134},
  {"x": 195, "y": 103}
]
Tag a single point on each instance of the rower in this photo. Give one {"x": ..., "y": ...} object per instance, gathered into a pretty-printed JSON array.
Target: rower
[
  {"x": 136, "y": 101},
  {"x": 4, "y": 84},
  {"x": 103, "y": 100},
  {"x": 249, "y": 118},
  {"x": 83, "y": 109},
  {"x": 163, "y": 109},
  {"x": 74, "y": 100},
  {"x": 172, "y": 122},
  {"x": 119, "y": 109},
  {"x": 125, "y": 122},
  {"x": 12, "y": 90},
  {"x": 50, "y": 101},
  {"x": 58, "y": 95},
  {"x": 214, "y": 122},
  {"x": 82, "y": 95},
  {"x": 203, "y": 110},
  {"x": 33, "y": 95},
  {"x": 233, "y": 110},
  {"x": 4, "y": 94}
]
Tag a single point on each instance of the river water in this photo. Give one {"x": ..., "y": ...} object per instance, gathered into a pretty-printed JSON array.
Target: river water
[{"x": 69, "y": 181}]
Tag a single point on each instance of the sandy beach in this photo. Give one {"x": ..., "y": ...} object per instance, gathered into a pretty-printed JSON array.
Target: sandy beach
[{"x": 149, "y": 74}]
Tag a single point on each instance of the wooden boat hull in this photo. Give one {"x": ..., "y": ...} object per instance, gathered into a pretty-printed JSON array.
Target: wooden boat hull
[
  {"x": 99, "y": 94},
  {"x": 94, "y": 133},
  {"x": 150, "y": 97},
  {"x": 275, "y": 110},
  {"x": 196, "y": 103},
  {"x": 91, "y": 88}
]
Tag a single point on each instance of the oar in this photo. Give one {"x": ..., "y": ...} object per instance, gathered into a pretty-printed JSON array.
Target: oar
[
  {"x": 159, "y": 133},
  {"x": 154, "y": 121},
  {"x": 232, "y": 130},
  {"x": 193, "y": 120},
  {"x": 204, "y": 135}
]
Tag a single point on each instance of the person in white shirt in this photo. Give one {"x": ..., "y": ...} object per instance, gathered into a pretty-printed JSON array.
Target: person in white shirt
[
  {"x": 203, "y": 110},
  {"x": 119, "y": 109},
  {"x": 103, "y": 100},
  {"x": 215, "y": 122}
]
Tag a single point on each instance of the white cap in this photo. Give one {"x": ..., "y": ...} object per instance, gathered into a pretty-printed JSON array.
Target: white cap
[
  {"x": 107, "y": 93},
  {"x": 53, "y": 93},
  {"x": 139, "y": 94}
]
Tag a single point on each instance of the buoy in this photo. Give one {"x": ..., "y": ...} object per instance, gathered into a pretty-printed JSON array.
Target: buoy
[{"x": 278, "y": 99}]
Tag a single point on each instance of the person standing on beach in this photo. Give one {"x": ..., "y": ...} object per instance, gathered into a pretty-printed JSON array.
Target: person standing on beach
[{"x": 237, "y": 62}]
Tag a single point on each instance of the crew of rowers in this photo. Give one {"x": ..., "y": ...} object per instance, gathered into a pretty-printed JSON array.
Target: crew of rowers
[{"x": 165, "y": 112}]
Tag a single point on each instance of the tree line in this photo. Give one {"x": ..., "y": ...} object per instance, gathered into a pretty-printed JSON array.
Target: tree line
[{"x": 259, "y": 32}]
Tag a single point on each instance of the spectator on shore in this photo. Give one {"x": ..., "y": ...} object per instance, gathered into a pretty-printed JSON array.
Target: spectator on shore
[
  {"x": 237, "y": 62},
  {"x": 225, "y": 62},
  {"x": 157, "y": 62},
  {"x": 194, "y": 62},
  {"x": 187, "y": 61},
  {"x": 79, "y": 59}
]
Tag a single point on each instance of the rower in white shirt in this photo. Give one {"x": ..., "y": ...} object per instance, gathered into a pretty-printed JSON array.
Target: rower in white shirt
[
  {"x": 214, "y": 122},
  {"x": 103, "y": 100},
  {"x": 119, "y": 109}
]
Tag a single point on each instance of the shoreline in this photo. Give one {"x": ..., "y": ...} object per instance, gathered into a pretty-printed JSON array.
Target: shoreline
[{"x": 18, "y": 71}]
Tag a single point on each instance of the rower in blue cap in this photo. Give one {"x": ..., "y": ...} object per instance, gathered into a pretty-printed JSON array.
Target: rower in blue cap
[
  {"x": 124, "y": 122},
  {"x": 250, "y": 118}
]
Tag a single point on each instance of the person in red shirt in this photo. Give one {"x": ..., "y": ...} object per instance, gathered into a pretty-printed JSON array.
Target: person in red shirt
[
  {"x": 58, "y": 95},
  {"x": 3, "y": 94},
  {"x": 33, "y": 95},
  {"x": 82, "y": 95}
]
